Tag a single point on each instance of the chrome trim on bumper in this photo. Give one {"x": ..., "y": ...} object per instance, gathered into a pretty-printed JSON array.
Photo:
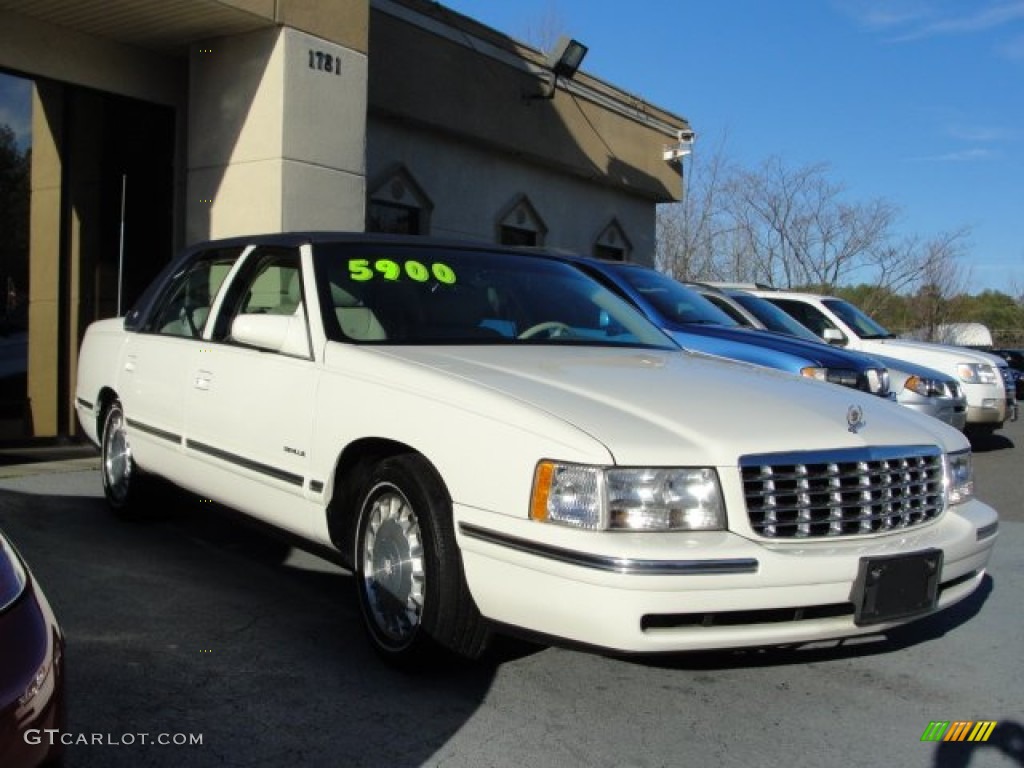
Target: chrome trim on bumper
[{"x": 625, "y": 566}]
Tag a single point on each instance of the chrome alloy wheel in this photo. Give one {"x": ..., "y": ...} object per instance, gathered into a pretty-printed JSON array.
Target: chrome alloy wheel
[
  {"x": 394, "y": 579},
  {"x": 117, "y": 457}
]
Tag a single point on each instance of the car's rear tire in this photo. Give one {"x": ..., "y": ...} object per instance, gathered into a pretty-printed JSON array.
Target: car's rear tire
[
  {"x": 123, "y": 483},
  {"x": 409, "y": 579}
]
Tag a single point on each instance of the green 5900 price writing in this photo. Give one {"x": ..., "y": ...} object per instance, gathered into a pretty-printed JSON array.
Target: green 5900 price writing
[{"x": 362, "y": 270}]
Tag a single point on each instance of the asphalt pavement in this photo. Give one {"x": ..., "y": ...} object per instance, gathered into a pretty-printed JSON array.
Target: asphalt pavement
[{"x": 191, "y": 626}]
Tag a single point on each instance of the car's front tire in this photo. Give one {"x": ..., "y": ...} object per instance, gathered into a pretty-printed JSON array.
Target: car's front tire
[{"x": 409, "y": 578}]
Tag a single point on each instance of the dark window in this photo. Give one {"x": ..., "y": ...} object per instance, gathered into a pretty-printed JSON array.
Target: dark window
[
  {"x": 516, "y": 236},
  {"x": 612, "y": 243},
  {"x": 270, "y": 283},
  {"x": 394, "y": 219},
  {"x": 398, "y": 205},
  {"x": 381, "y": 294},
  {"x": 520, "y": 224},
  {"x": 610, "y": 252},
  {"x": 673, "y": 300},
  {"x": 184, "y": 306},
  {"x": 724, "y": 305},
  {"x": 806, "y": 315}
]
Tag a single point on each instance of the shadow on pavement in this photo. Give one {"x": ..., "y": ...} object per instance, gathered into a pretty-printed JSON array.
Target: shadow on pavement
[
  {"x": 916, "y": 633},
  {"x": 986, "y": 442},
  {"x": 1007, "y": 737},
  {"x": 190, "y": 624},
  {"x": 40, "y": 450}
]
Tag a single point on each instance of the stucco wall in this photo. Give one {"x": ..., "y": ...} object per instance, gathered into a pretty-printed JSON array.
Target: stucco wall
[
  {"x": 471, "y": 186},
  {"x": 480, "y": 91},
  {"x": 59, "y": 53},
  {"x": 289, "y": 111}
]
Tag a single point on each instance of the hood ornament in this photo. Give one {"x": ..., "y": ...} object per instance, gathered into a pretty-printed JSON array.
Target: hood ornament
[{"x": 855, "y": 418}]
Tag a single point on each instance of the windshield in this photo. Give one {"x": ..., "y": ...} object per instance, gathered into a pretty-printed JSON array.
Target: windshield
[
  {"x": 676, "y": 303},
  {"x": 860, "y": 322},
  {"x": 773, "y": 318},
  {"x": 393, "y": 294}
]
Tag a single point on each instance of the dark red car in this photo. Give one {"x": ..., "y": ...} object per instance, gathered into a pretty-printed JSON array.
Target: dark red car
[{"x": 31, "y": 667}]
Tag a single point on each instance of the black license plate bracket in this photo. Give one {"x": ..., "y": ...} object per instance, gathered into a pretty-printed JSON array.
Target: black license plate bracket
[{"x": 896, "y": 587}]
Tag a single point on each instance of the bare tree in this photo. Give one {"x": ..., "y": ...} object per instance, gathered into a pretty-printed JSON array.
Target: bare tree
[
  {"x": 800, "y": 229},
  {"x": 941, "y": 281},
  {"x": 692, "y": 234},
  {"x": 795, "y": 228},
  {"x": 543, "y": 32}
]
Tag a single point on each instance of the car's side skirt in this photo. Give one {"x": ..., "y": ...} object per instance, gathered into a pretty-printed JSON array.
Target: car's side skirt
[
  {"x": 255, "y": 466},
  {"x": 291, "y": 478},
  {"x": 162, "y": 434}
]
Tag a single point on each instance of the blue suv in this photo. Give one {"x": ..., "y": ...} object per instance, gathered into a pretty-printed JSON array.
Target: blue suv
[{"x": 699, "y": 325}]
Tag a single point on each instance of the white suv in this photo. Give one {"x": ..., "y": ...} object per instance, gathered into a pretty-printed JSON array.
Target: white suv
[{"x": 989, "y": 402}]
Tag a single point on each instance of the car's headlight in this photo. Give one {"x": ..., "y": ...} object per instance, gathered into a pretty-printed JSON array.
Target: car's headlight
[
  {"x": 925, "y": 387},
  {"x": 634, "y": 499},
  {"x": 959, "y": 477},
  {"x": 842, "y": 376},
  {"x": 977, "y": 373},
  {"x": 12, "y": 576}
]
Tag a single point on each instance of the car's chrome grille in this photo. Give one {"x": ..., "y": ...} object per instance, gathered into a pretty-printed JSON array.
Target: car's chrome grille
[{"x": 842, "y": 493}]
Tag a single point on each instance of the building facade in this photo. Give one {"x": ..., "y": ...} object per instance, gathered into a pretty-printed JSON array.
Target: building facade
[{"x": 156, "y": 125}]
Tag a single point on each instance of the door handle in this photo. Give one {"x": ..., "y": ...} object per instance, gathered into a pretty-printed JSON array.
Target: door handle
[
  {"x": 129, "y": 363},
  {"x": 202, "y": 380}
]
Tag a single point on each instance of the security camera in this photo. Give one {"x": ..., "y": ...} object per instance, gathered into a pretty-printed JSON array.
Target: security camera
[{"x": 676, "y": 154}]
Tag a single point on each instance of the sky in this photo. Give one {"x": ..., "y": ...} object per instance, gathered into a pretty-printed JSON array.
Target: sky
[{"x": 918, "y": 102}]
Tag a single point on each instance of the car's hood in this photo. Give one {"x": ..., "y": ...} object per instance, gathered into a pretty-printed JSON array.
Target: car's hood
[
  {"x": 895, "y": 365},
  {"x": 930, "y": 354},
  {"x": 650, "y": 407},
  {"x": 810, "y": 351}
]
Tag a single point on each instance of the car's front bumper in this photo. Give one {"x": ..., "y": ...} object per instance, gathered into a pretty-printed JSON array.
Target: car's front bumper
[
  {"x": 986, "y": 403},
  {"x": 952, "y": 411},
  {"x": 649, "y": 592}
]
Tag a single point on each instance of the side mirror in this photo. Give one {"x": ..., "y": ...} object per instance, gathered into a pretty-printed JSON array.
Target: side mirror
[
  {"x": 285, "y": 334},
  {"x": 834, "y": 336}
]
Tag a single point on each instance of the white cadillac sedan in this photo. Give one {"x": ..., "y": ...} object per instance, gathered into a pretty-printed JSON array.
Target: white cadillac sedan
[{"x": 490, "y": 439}]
